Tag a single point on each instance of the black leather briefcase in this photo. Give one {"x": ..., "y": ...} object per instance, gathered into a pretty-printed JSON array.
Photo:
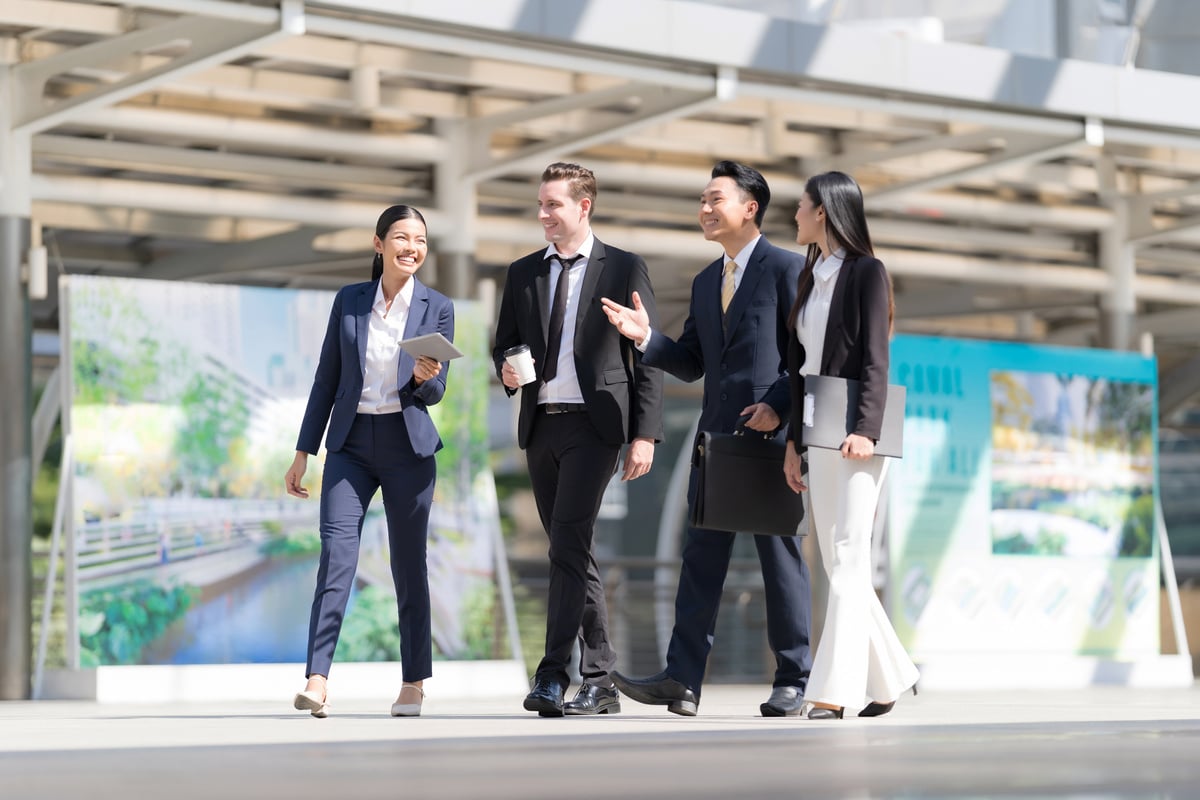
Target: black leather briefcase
[{"x": 740, "y": 485}]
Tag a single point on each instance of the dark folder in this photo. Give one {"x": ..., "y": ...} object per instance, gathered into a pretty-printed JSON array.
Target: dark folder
[{"x": 831, "y": 412}]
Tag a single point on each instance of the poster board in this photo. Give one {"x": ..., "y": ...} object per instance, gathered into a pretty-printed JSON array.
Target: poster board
[
  {"x": 1021, "y": 520},
  {"x": 184, "y": 404}
]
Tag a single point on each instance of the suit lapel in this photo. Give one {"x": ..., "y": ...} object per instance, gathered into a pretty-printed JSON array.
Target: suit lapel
[
  {"x": 541, "y": 295},
  {"x": 741, "y": 298},
  {"x": 708, "y": 305},
  {"x": 362, "y": 318},
  {"x": 416, "y": 315},
  {"x": 837, "y": 316},
  {"x": 591, "y": 279},
  {"x": 416, "y": 311}
]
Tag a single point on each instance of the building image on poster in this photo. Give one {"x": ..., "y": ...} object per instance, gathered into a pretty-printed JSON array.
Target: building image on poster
[
  {"x": 1072, "y": 465},
  {"x": 185, "y": 404},
  {"x": 1020, "y": 520}
]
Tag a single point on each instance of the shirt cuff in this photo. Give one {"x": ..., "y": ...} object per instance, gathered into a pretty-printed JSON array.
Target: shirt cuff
[{"x": 644, "y": 343}]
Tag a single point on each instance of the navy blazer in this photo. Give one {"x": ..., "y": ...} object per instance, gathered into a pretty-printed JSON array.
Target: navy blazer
[
  {"x": 857, "y": 342},
  {"x": 338, "y": 384},
  {"x": 623, "y": 396},
  {"x": 743, "y": 361}
]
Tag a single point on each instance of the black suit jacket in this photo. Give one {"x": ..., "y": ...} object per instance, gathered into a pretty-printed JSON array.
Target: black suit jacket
[
  {"x": 622, "y": 394},
  {"x": 741, "y": 359},
  {"x": 856, "y": 343}
]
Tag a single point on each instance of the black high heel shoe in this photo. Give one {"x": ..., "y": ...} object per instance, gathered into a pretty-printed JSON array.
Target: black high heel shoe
[
  {"x": 874, "y": 709},
  {"x": 816, "y": 712}
]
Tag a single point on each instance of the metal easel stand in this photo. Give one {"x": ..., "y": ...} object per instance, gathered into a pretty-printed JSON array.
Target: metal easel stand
[{"x": 60, "y": 507}]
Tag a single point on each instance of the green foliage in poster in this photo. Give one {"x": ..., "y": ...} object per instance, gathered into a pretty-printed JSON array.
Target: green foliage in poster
[
  {"x": 116, "y": 624},
  {"x": 215, "y": 421},
  {"x": 369, "y": 631},
  {"x": 1137, "y": 533}
]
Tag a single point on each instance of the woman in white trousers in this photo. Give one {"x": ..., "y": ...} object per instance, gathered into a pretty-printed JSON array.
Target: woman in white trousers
[{"x": 841, "y": 326}]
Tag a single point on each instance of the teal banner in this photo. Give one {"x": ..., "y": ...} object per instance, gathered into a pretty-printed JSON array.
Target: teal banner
[{"x": 1021, "y": 518}]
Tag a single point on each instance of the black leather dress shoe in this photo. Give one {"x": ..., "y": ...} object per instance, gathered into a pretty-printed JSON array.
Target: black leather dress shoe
[
  {"x": 593, "y": 699},
  {"x": 546, "y": 698},
  {"x": 816, "y": 712},
  {"x": 659, "y": 690},
  {"x": 874, "y": 709}
]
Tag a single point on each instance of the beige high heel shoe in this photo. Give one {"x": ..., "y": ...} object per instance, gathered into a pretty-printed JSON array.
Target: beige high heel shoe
[
  {"x": 408, "y": 709},
  {"x": 312, "y": 702}
]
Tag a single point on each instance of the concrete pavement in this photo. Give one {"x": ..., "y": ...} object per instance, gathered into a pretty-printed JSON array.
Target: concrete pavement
[{"x": 1101, "y": 742}]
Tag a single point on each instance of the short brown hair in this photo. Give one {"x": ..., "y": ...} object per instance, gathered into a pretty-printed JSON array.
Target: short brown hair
[{"x": 581, "y": 182}]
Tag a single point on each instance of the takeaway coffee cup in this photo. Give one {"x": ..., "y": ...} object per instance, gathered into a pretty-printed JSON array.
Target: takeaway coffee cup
[{"x": 520, "y": 360}]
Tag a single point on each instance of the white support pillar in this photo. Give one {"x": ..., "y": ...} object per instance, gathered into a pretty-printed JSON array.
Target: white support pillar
[
  {"x": 16, "y": 433},
  {"x": 1119, "y": 304},
  {"x": 457, "y": 199}
]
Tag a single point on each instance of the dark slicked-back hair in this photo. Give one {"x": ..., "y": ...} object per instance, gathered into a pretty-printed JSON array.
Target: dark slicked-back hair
[
  {"x": 581, "y": 181},
  {"x": 845, "y": 227},
  {"x": 391, "y": 215},
  {"x": 750, "y": 181}
]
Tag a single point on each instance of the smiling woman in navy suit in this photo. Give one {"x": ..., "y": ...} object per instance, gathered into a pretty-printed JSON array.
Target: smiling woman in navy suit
[
  {"x": 840, "y": 325},
  {"x": 375, "y": 398}
]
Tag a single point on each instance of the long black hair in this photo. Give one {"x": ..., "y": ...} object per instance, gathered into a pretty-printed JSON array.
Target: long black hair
[
  {"x": 389, "y": 216},
  {"x": 845, "y": 228}
]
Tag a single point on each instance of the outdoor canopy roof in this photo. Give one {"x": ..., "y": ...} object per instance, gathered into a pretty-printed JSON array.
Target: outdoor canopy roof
[{"x": 1011, "y": 197}]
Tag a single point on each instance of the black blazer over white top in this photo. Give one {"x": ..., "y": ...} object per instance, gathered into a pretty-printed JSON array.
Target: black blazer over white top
[
  {"x": 623, "y": 396},
  {"x": 856, "y": 343}
]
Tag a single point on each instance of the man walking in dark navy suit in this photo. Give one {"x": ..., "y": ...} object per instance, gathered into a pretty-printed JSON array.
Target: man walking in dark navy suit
[{"x": 735, "y": 337}]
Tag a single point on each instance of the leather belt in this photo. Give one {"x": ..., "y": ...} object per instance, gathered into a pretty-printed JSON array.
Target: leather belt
[{"x": 562, "y": 408}]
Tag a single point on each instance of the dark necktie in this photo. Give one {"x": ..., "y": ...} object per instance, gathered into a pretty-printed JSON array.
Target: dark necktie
[{"x": 558, "y": 314}]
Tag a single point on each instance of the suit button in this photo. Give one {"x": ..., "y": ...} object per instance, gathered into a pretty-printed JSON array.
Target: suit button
[{"x": 724, "y": 396}]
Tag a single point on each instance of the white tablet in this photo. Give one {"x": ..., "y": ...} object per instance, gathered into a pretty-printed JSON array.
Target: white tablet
[{"x": 433, "y": 345}]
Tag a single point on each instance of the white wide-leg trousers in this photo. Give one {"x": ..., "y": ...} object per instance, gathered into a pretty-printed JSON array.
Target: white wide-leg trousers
[{"x": 859, "y": 657}]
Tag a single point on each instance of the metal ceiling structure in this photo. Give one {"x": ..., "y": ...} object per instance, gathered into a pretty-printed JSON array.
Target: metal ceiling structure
[
  {"x": 256, "y": 142},
  {"x": 1011, "y": 197}
]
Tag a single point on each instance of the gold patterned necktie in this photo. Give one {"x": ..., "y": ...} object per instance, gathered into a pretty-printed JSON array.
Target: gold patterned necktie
[{"x": 727, "y": 286}]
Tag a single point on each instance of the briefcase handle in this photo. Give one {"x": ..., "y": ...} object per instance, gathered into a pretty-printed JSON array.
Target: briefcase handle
[{"x": 740, "y": 429}]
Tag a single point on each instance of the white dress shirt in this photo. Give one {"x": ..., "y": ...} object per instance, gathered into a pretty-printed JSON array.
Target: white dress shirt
[
  {"x": 741, "y": 259},
  {"x": 564, "y": 387},
  {"x": 385, "y": 329},
  {"x": 814, "y": 316}
]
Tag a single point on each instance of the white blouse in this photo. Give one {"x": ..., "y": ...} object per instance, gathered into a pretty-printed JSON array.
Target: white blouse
[
  {"x": 385, "y": 329},
  {"x": 814, "y": 316}
]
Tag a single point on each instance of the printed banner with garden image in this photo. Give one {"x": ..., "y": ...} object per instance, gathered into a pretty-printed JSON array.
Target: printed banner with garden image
[
  {"x": 186, "y": 402},
  {"x": 1021, "y": 519}
]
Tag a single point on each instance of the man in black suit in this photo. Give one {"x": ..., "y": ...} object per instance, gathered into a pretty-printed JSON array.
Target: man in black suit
[
  {"x": 592, "y": 395},
  {"x": 736, "y": 338}
]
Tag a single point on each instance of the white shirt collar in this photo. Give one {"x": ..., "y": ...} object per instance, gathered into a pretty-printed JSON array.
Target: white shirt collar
[
  {"x": 405, "y": 296},
  {"x": 585, "y": 249},
  {"x": 827, "y": 267},
  {"x": 743, "y": 256}
]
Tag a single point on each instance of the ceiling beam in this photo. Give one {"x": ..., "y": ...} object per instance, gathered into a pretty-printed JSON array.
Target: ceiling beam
[
  {"x": 280, "y": 250},
  {"x": 274, "y": 136},
  {"x": 213, "y": 164},
  {"x": 61, "y": 16},
  {"x": 202, "y": 200},
  {"x": 1008, "y": 158},
  {"x": 660, "y": 105},
  {"x": 211, "y": 41}
]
